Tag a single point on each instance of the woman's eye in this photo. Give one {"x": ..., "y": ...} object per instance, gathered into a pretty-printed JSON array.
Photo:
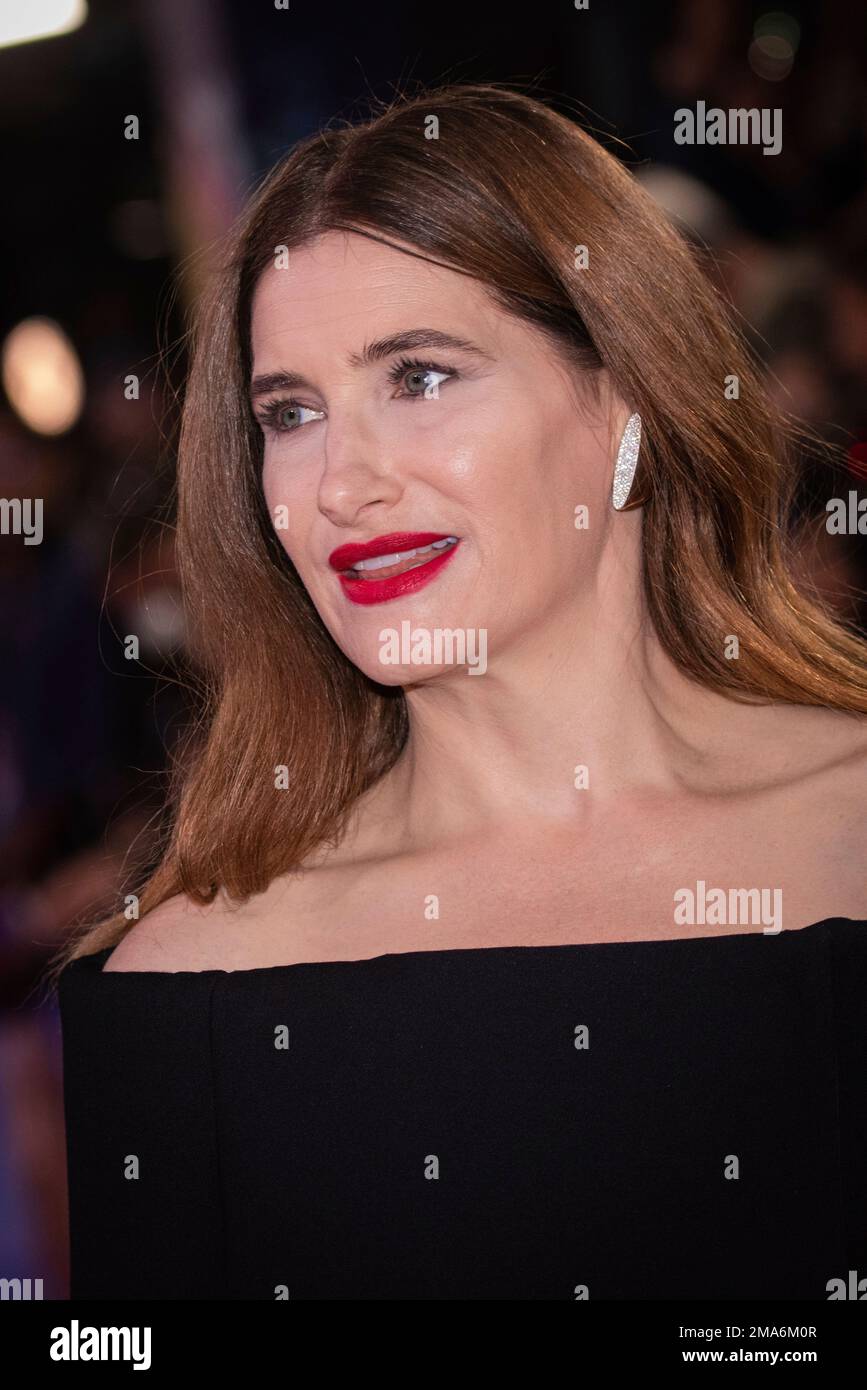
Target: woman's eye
[
  {"x": 424, "y": 383},
  {"x": 283, "y": 417},
  {"x": 420, "y": 378}
]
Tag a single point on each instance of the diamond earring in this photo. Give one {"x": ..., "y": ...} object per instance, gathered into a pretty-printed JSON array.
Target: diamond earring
[{"x": 627, "y": 462}]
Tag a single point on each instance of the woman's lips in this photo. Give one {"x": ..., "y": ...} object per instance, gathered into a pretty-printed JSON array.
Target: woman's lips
[{"x": 392, "y": 565}]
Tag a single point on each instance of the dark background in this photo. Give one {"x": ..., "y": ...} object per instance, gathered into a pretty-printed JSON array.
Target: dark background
[{"x": 106, "y": 236}]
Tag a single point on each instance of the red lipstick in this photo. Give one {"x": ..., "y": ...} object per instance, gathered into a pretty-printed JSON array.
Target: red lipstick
[{"x": 410, "y": 571}]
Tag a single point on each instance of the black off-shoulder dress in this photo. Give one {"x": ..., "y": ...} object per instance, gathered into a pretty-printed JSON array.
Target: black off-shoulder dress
[{"x": 676, "y": 1119}]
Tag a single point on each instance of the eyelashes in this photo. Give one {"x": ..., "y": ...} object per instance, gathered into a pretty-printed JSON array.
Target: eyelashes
[{"x": 271, "y": 413}]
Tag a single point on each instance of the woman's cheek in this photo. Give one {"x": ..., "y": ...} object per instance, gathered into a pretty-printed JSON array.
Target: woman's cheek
[{"x": 278, "y": 506}]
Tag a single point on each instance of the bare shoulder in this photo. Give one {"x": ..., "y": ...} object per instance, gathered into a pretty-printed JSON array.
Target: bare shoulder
[
  {"x": 278, "y": 926},
  {"x": 179, "y": 934}
]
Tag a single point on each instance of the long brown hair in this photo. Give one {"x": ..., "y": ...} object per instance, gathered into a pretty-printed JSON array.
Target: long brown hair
[{"x": 497, "y": 185}]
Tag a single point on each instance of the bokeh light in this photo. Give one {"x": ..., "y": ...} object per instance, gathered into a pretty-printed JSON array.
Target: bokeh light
[
  {"x": 42, "y": 376},
  {"x": 39, "y": 19}
]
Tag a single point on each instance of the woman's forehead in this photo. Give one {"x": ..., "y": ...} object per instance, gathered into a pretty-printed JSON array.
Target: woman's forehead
[
  {"x": 339, "y": 262},
  {"x": 350, "y": 289}
]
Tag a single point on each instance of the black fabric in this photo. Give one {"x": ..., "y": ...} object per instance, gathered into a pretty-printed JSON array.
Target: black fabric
[{"x": 558, "y": 1167}]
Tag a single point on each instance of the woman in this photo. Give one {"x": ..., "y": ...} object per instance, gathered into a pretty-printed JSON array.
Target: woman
[{"x": 509, "y": 938}]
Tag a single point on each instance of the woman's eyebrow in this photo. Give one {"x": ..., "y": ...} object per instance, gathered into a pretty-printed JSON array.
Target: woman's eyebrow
[{"x": 409, "y": 340}]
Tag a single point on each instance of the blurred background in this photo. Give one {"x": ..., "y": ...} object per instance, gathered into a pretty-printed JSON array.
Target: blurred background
[{"x": 131, "y": 133}]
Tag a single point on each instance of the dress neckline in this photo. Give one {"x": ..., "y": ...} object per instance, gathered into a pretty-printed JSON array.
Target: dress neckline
[{"x": 95, "y": 961}]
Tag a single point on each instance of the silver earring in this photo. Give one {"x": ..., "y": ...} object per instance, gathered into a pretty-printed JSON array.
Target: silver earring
[{"x": 627, "y": 462}]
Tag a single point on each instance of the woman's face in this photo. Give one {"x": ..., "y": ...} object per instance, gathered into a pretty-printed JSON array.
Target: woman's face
[{"x": 475, "y": 452}]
